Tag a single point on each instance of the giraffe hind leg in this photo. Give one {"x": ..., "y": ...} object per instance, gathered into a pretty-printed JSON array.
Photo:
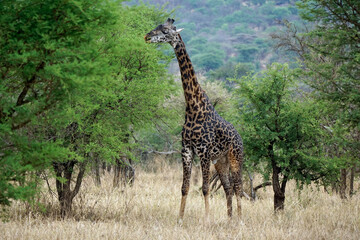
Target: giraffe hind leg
[
  {"x": 235, "y": 160},
  {"x": 222, "y": 167},
  {"x": 205, "y": 168}
]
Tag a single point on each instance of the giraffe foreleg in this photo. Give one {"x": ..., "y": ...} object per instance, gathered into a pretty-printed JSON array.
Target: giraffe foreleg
[{"x": 187, "y": 156}]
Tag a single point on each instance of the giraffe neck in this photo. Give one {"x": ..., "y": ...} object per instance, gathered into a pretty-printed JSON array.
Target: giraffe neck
[{"x": 193, "y": 93}]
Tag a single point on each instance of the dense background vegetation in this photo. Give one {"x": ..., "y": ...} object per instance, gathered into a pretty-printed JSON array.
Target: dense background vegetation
[
  {"x": 222, "y": 33},
  {"x": 80, "y": 90}
]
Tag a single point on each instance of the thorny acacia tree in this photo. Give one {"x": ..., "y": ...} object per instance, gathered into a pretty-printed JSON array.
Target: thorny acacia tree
[
  {"x": 75, "y": 76},
  {"x": 280, "y": 130},
  {"x": 330, "y": 54},
  {"x": 46, "y": 50}
]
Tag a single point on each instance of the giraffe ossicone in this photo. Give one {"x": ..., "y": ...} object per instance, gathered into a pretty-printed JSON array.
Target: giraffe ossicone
[{"x": 205, "y": 133}]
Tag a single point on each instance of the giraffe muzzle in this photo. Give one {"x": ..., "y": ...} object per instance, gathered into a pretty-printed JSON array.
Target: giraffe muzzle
[{"x": 147, "y": 38}]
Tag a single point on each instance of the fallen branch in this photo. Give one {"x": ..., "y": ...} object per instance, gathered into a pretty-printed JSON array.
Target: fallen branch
[{"x": 262, "y": 185}]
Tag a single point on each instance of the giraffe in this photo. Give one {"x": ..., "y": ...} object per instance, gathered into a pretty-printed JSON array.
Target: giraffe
[{"x": 205, "y": 133}]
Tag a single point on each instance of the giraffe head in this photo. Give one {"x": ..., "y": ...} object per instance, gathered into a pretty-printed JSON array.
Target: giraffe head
[{"x": 164, "y": 33}]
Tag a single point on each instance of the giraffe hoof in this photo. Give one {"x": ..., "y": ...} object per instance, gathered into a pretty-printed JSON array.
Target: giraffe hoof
[{"x": 180, "y": 222}]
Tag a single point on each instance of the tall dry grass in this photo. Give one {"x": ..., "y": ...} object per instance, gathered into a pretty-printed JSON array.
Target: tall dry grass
[{"x": 149, "y": 210}]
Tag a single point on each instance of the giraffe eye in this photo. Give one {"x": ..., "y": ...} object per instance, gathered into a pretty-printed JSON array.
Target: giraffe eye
[{"x": 165, "y": 31}]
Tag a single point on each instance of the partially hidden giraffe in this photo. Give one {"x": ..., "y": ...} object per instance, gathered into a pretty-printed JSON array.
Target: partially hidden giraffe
[{"x": 205, "y": 133}]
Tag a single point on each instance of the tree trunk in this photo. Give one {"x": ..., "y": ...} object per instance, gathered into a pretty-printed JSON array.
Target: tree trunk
[
  {"x": 343, "y": 183},
  {"x": 108, "y": 168},
  {"x": 279, "y": 201},
  {"x": 105, "y": 167},
  {"x": 335, "y": 186},
  {"x": 122, "y": 174},
  {"x": 117, "y": 169},
  {"x": 64, "y": 171},
  {"x": 97, "y": 171},
  {"x": 65, "y": 204},
  {"x": 130, "y": 173},
  {"x": 279, "y": 190},
  {"x": 351, "y": 184},
  {"x": 124, "y": 171}
]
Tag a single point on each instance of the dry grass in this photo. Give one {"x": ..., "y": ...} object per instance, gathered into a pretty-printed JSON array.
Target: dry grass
[{"x": 149, "y": 209}]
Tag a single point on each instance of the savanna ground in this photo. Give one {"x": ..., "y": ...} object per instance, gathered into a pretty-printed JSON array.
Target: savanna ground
[{"x": 149, "y": 210}]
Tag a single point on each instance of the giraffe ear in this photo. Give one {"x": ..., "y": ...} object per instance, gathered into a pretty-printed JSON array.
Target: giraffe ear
[
  {"x": 179, "y": 30},
  {"x": 170, "y": 21}
]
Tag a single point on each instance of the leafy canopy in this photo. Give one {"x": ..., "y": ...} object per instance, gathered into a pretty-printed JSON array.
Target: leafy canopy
[
  {"x": 280, "y": 128},
  {"x": 75, "y": 75}
]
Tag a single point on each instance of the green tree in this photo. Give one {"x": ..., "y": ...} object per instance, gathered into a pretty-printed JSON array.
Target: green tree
[
  {"x": 207, "y": 61},
  {"x": 333, "y": 55},
  {"x": 280, "y": 130},
  {"x": 330, "y": 56},
  {"x": 106, "y": 118},
  {"x": 47, "y": 50},
  {"x": 77, "y": 78},
  {"x": 247, "y": 52}
]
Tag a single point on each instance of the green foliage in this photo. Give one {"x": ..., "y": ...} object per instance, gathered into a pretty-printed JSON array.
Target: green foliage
[
  {"x": 279, "y": 127},
  {"x": 197, "y": 45},
  {"x": 191, "y": 29},
  {"x": 332, "y": 63},
  {"x": 336, "y": 74},
  {"x": 205, "y": 56},
  {"x": 329, "y": 54},
  {"x": 47, "y": 49},
  {"x": 232, "y": 70},
  {"x": 76, "y": 79},
  {"x": 247, "y": 53},
  {"x": 16, "y": 178},
  {"x": 208, "y": 61},
  {"x": 281, "y": 12},
  {"x": 243, "y": 28}
]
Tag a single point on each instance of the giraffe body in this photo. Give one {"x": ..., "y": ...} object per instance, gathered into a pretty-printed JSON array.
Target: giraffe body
[{"x": 205, "y": 133}]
